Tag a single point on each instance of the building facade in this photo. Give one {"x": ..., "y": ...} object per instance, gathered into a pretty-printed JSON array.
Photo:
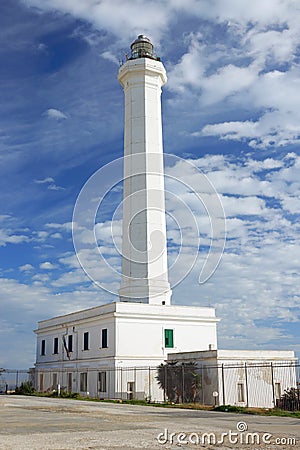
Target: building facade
[
  {"x": 80, "y": 349},
  {"x": 243, "y": 377}
]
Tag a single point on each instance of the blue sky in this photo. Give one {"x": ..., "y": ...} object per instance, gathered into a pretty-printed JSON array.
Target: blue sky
[{"x": 231, "y": 105}]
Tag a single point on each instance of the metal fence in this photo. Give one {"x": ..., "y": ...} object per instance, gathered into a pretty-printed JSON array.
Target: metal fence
[
  {"x": 265, "y": 385},
  {"x": 10, "y": 379}
]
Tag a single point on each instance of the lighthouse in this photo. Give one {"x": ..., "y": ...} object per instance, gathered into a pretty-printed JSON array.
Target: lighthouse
[
  {"x": 112, "y": 350},
  {"x": 144, "y": 248}
]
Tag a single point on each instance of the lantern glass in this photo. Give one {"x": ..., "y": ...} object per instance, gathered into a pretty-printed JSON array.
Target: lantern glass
[{"x": 142, "y": 48}]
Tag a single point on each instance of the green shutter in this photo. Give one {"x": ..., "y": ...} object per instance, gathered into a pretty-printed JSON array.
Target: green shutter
[{"x": 169, "y": 339}]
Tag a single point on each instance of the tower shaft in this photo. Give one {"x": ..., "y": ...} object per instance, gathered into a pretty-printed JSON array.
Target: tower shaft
[{"x": 144, "y": 259}]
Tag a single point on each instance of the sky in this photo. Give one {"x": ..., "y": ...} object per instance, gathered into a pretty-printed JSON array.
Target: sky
[{"x": 231, "y": 117}]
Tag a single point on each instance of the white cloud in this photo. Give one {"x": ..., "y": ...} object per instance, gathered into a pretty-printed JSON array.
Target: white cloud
[
  {"x": 119, "y": 18},
  {"x": 278, "y": 125},
  {"x": 266, "y": 164},
  {"x": 41, "y": 236},
  {"x": 45, "y": 180},
  {"x": 40, "y": 279},
  {"x": 26, "y": 268},
  {"x": 291, "y": 204},
  {"x": 72, "y": 278},
  {"x": 56, "y": 114},
  {"x": 244, "y": 206},
  {"x": 41, "y": 47},
  {"x": 47, "y": 266},
  {"x": 230, "y": 130},
  {"x": 189, "y": 71},
  {"x": 272, "y": 45},
  {"x": 110, "y": 57},
  {"x": 10, "y": 232},
  {"x": 4, "y": 217},
  {"x": 8, "y": 237},
  {"x": 50, "y": 184},
  {"x": 256, "y": 75},
  {"x": 54, "y": 187},
  {"x": 56, "y": 236},
  {"x": 66, "y": 227},
  {"x": 227, "y": 81},
  {"x": 102, "y": 265}
]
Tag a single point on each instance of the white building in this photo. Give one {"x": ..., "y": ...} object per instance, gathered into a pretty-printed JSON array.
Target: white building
[
  {"x": 112, "y": 337},
  {"x": 242, "y": 377},
  {"x": 109, "y": 350}
]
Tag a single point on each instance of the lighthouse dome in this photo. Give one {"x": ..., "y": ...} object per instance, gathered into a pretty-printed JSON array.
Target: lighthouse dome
[{"x": 142, "y": 48}]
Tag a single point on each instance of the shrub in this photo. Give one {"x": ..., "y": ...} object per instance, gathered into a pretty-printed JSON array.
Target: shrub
[
  {"x": 181, "y": 382},
  {"x": 230, "y": 408},
  {"x": 25, "y": 388},
  {"x": 290, "y": 400}
]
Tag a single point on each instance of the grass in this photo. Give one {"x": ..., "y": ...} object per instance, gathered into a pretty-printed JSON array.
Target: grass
[
  {"x": 194, "y": 406},
  {"x": 258, "y": 411}
]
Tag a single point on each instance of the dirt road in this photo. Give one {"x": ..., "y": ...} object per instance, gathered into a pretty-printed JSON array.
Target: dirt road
[{"x": 31, "y": 423}]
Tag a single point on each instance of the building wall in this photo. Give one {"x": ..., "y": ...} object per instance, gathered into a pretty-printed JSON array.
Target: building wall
[
  {"x": 93, "y": 327},
  {"x": 257, "y": 384},
  {"x": 135, "y": 337},
  {"x": 144, "y": 338},
  {"x": 243, "y": 378}
]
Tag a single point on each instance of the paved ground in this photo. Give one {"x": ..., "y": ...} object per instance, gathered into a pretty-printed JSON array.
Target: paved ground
[{"x": 33, "y": 423}]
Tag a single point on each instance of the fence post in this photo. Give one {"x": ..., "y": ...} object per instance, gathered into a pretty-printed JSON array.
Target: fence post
[
  {"x": 202, "y": 387},
  {"x": 223, "y": 383},
  {"x": 135, "y": 385},
  {"x": 166, "y": 382},
  {"x": 246, "y": 385},
  {"x": 121, "y": 391},
  {"x": 17, "y": 378},
  {"x": 149, "y": 384},
  {"x": 182, "y": 374},
  {"x": 273, "y": 387}
]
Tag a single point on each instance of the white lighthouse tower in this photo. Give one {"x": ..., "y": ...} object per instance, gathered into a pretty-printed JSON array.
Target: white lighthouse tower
[{"x": 144, "y": 262}]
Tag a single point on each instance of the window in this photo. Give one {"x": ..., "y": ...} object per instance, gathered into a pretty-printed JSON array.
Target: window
[
  {"x": 130, "y": 390},
  {"x": 241, "y": 392},
  {"x": 55, "y": 346},
  {"x": 83, "y": 382},
  {"x": 86, "y": 340},
  {"x": 169, "y": 342},
  {"x": 54, "y": 381},
  {"x": 43, "y": 347},
  {"x": 70, "y": 343},
  {"x": 102, "y": 381},
  {"x": 277, "y": 390},
  {"x": 104, "y": 338}
]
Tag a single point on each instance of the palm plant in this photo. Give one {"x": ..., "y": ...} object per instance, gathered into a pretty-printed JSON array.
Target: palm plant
[{"x": 181, "y": 382}]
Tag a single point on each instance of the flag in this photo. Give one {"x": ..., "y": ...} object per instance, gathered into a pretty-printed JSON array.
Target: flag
[{"x": 66, "y": 347}]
